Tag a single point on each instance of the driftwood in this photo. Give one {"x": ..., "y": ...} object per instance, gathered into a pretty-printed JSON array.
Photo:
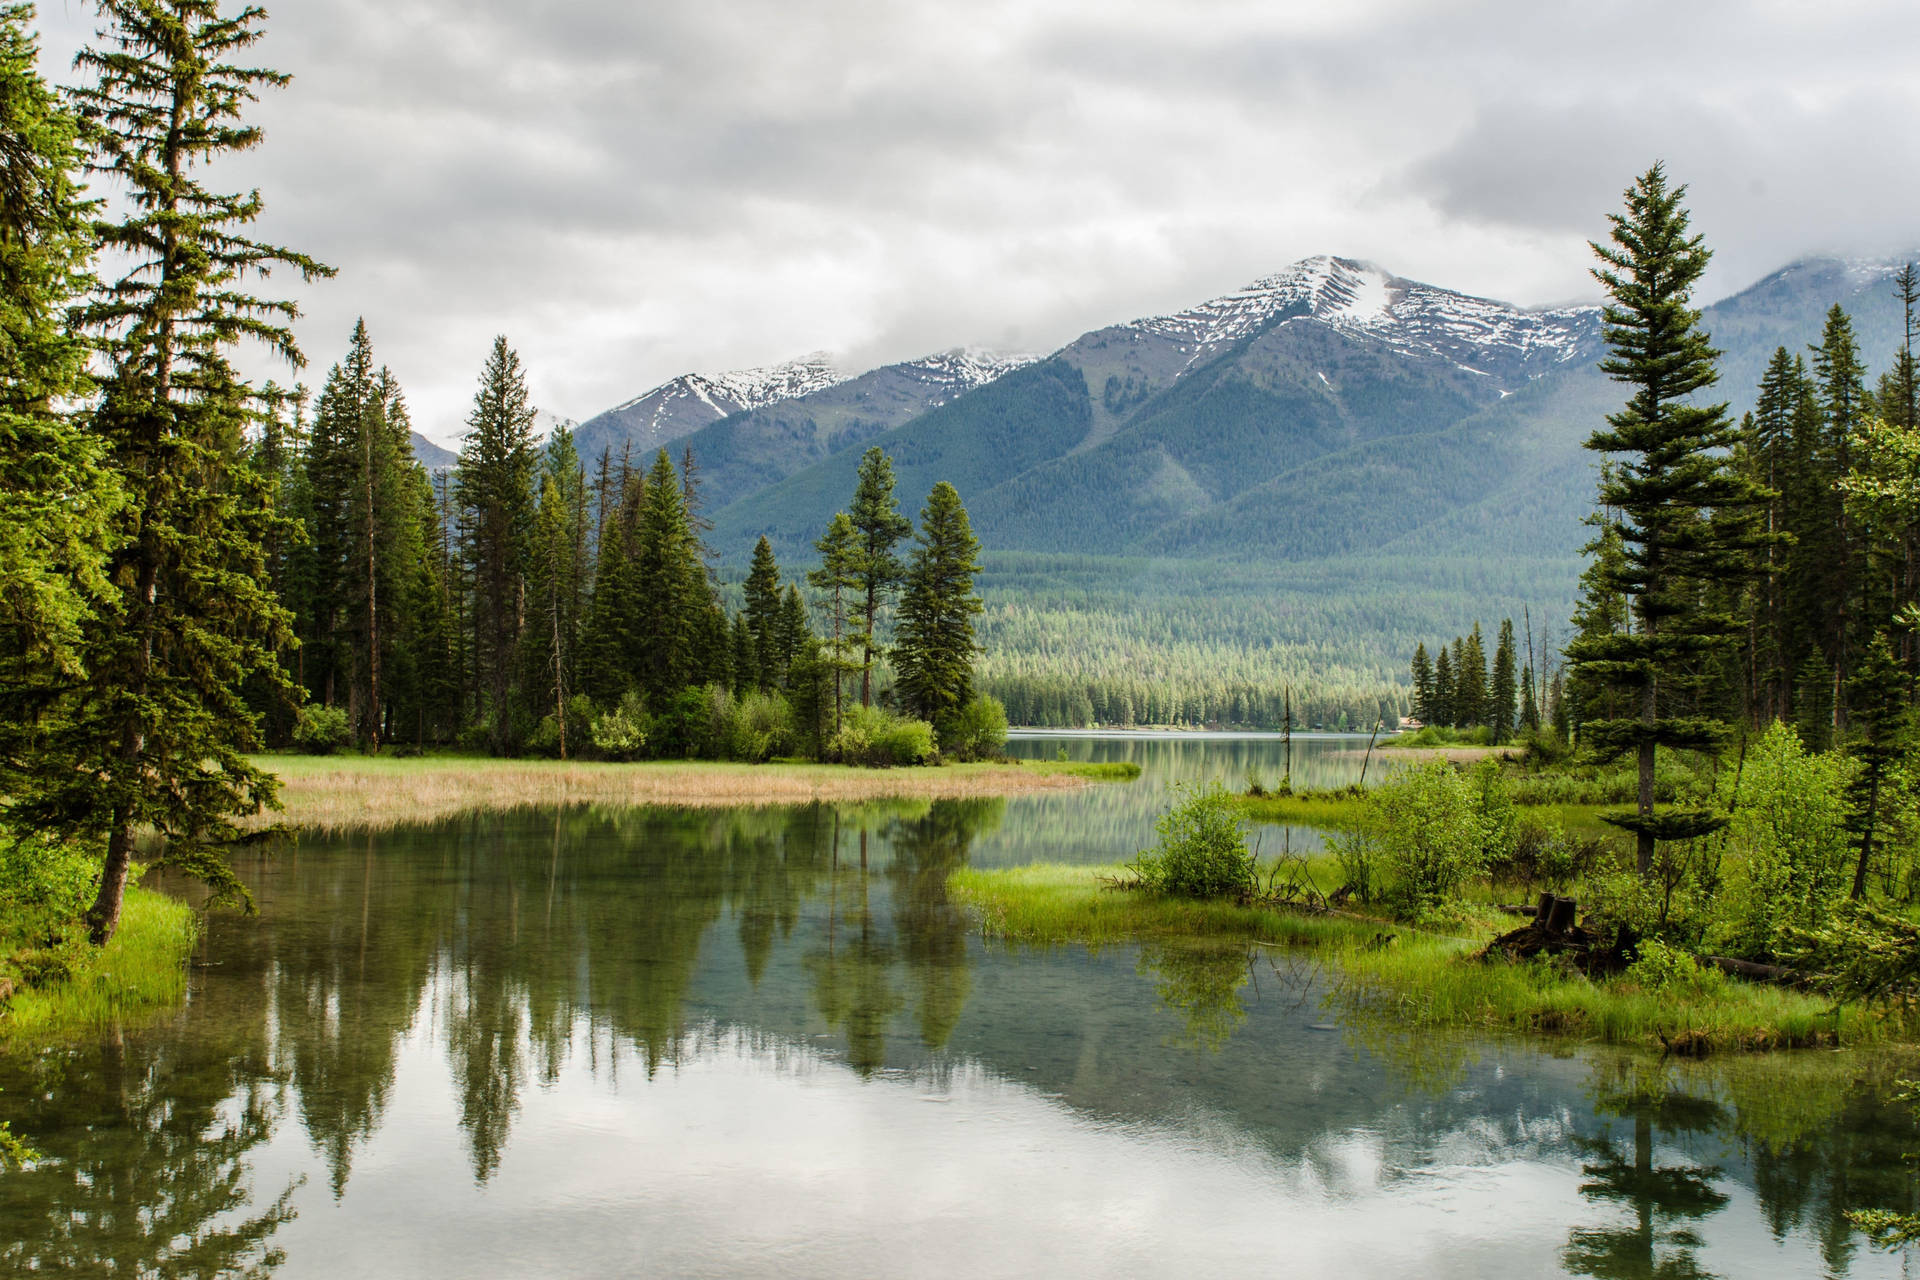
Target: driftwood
[
  {"x": 1534, "y": 939},
  {"x": 1758, "y": 972}
]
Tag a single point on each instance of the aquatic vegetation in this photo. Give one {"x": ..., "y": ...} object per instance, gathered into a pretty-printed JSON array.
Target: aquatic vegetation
[{"x": 1418, "y": 978}]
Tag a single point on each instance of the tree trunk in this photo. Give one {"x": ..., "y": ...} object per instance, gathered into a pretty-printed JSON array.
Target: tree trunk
[{"x": 104, "y": 916}]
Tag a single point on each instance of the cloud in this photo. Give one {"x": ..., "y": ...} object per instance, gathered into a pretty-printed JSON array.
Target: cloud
[{"x": 633, "y": 191}]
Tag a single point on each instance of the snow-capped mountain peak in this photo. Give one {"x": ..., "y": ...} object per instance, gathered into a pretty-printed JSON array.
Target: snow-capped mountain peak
[{"x": 1358, "y": 296}]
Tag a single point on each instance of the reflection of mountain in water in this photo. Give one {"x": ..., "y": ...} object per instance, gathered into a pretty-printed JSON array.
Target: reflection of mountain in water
[{"x": 490, "y": 960}]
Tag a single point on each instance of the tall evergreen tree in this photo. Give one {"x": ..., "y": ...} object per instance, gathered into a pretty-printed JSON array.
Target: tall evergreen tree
[
  {"x": 876, "y": 518},
  {"x": 494, "y": 484},
  {"x": 1471, "y": 706},
  {"x": 559, "y": 573},
  {"x": 763, "y": 612},
  {"x": 934, "y": 653},
  {"x": 1502, "y": 692},
  {"x": 157, "y": 739},
  {"x": 838, "y": 576},
  {"x": 672, "y": 625},
  {"x": 1442, "y": 688},
  {"x": 58, "y": 500},
  {"x": 1883, "y": 720},
  {"x": 1677, "y": 501},
  {"x": 1422, "y": 684},
  {"x": 1840, "y": 378}
]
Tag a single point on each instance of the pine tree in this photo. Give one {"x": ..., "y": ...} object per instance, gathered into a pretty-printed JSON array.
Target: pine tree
[
  {"x": 876, "y": 518},
  {"x": 559, "y": 572},
  {"x": 1502, "y": 696},
  {"x": 494, "y": 484},
  {"x": 1471, "y": 706},
  {"x": 1443, "y": 689},
  {"x": 934, "y": 653},
  {"x": 763, "y": 613},
  {"x": 838, "y": 576},
  {"x": 1675, "y": 497},
  {"x": 1422, "y": 685},
  {"x": 157, "y": 740},
  {"x": 58, "y": 500},
  {"x": 1840, "y": 378},
  {"x": 1883, "y": 720},
  {"x": 672, "y": 597},
  {"x": 793, "y": 635}
]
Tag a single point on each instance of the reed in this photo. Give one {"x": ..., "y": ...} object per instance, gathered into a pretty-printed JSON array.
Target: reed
[{"x": 337, "y": 793}]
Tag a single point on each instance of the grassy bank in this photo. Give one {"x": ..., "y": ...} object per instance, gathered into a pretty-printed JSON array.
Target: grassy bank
[
  {"x": 1343, "y": 809},
  {"x": 340, "y": 792},
  {"x": 1093, "y": 770},
  {"x": 1415, "y": 978},
  {"x": 143, "y": 969}
]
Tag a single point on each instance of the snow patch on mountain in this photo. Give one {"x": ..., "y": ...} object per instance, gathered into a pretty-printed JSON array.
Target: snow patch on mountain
[
  {"x": 1362, "y": 298},
  {"x": 956, "y": 372}
]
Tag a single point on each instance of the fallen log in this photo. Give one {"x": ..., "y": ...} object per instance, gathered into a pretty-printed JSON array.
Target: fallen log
[{"x": 1757, "y": 971}]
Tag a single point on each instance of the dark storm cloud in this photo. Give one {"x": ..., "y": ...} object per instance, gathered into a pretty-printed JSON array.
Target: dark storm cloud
[{"x": 633, "y": 190}]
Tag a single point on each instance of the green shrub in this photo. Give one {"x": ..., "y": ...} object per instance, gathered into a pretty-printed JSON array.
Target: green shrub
[
  {"x": 1663, "y": 968},
  {"x": 45, "y": 885},
  {"x": 1791, "y": 859},
  {"x": 753, "y": 727},
  {"x": 545, "y": 738},
  {"x": 881, "y": 739},
  {"x": 621, "y": 734},
  {"x": 320, "y": 730},
  {"x": 1202, "y": 851},
  {"x": 1432, "y": 835},
  {"x": 1357, "y": 851},
  {"x": 978, "y": 731}
]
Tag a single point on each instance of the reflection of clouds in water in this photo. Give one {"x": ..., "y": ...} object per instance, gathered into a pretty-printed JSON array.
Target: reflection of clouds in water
[{"x": 751, "y": 1155}]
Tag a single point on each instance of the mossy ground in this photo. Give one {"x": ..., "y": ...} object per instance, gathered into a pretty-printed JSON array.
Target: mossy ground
[{"x": 1423, "y": 978}]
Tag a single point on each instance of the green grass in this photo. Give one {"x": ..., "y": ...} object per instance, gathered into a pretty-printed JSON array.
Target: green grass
[
  {"x": 1329, "y": 811},
  {"x": 1411, "y": 977},
  {"x": 1438, "y": 738},
  {"x": 1098, "y": 770},
  {"x": 143, "y": 969}
]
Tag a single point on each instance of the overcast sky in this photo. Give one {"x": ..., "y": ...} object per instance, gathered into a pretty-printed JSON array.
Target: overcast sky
[{"x": 633, "y": 189}]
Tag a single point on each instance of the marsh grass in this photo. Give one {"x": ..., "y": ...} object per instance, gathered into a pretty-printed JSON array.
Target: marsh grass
[
  {"x": 1094, "y": 770},
  {"x": 337, "y": 793},
  {"x": 142, "y": 970},
  {"x": 1418, "y": 978}
]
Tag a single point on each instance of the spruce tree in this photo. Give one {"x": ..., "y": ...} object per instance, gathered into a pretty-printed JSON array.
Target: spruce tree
[
  {"x": 1840, "y": 379},
  {"x": 1883, "y": 724},
  {"x": 876, "y": 518},
  {"x": 1503, "y": 694},
  {"x": 1443, "y": 689},
  {"x": 494, "y": 484},
  {"x": 672, "y": 597},
  {"x": 157, "y": 740},
  {"x": 793, "y": 634},
  {"x": 1675, "y": 500},
  {"x": 934, "y": 653},
  {"x": 1470, "y": 681},
  {"x": 559, "y": 573},
  {"x": 58, "y": 500},
  {"x": 1422, "y": 684},
  {"x": 838, "y": 576},
  {"x": 763, "y": 613}
]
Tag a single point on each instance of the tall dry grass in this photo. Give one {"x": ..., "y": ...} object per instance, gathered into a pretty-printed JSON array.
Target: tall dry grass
[{"x": 333, "y": 793}]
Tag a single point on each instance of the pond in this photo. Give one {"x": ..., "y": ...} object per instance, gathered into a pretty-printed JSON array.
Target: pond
[{"x": 764, "y": 1042}]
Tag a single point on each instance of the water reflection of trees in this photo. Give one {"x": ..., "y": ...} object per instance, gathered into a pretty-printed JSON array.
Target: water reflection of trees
[{"x": 147, "y": 1171}]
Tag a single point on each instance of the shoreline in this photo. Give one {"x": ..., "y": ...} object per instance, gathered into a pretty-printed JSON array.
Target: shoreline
[{"x": 339, "y": 793}]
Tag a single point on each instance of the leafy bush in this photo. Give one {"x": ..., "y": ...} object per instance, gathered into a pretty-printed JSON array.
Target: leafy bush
[
  {"x": 44, "y": 886},
  {"x": 321, "y": 731},
  {"x": 545, "y": 738},
  {"x": 753, "y": 727},
  {"x": 1432, "y": 835},
  {"x": 621, "y": 734},
  {"x": 978, "y": 731},
  {"x": 1357, "y": 851},
  {"x": 881, "y": 739},
  {"x": 1663, "y": 968},
  {"x": 1792, "y": 859},
  {"x": 1202, "y": 851}
]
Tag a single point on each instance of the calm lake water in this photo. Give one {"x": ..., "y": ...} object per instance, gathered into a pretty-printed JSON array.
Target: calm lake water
[{"x": 763, "y": 1042}]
